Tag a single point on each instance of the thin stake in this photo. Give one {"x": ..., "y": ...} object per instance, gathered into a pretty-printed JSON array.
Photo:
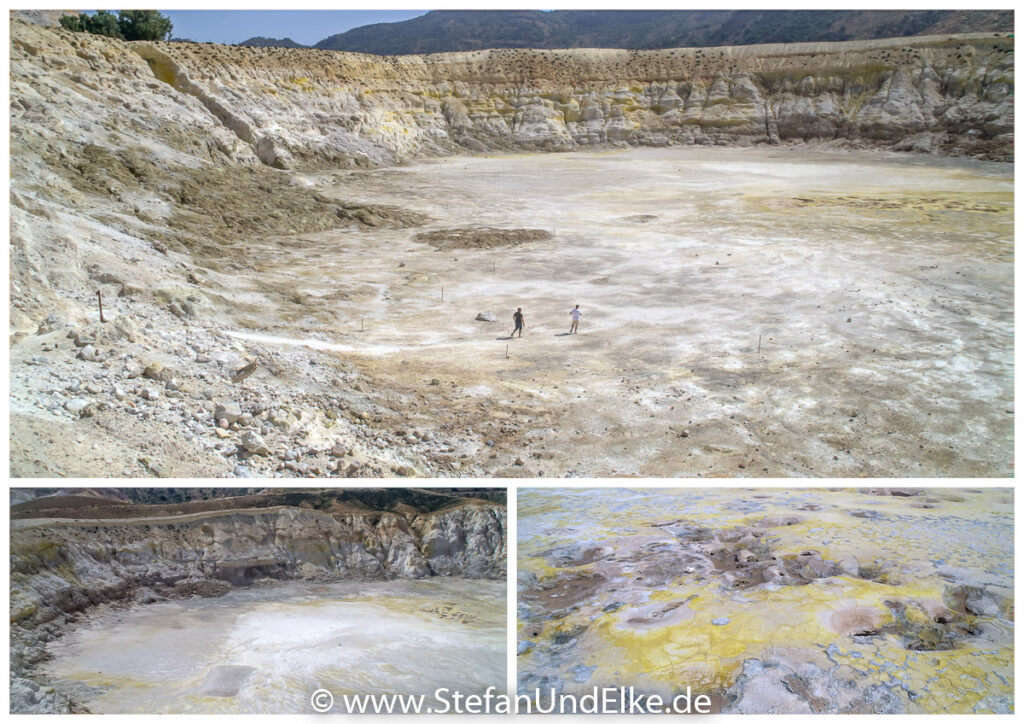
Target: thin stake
[
  {"x": 99, "y": 298},
  {"x": 506, "y": 351},
  {"x": 442, "y": 294},
  {"x": 759, "y": 344},
  {"x": 362, "y": 324}
]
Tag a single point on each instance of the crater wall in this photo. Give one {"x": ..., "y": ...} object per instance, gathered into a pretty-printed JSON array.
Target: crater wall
[
  {"x": 310, "y": 108},
  {"x": 60, "y": 567},
  {"x": 950, "y": 94}
]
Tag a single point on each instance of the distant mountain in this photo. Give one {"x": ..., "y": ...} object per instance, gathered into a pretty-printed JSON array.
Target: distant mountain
[
  {"x": 444, "y": 31},
  {"x": 261, "y": 42}
]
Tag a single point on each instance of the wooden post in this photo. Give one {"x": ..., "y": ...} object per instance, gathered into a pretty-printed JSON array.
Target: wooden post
[
  {"x": 759, "y": 344},
  {"x": 506, "y": 351},
  {"x": 442, "y": 294},
  {"x": 99, "y": 298}
]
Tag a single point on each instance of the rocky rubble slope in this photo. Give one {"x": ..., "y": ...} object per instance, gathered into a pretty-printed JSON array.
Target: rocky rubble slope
[{"x": 62, "y": 568}]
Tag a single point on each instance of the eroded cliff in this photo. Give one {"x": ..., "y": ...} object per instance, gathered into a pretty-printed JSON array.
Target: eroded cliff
[
  {"x": 946, "y": 94},
  {"x": 60, "y": 568},
  {"x": 943, "y": 94}
]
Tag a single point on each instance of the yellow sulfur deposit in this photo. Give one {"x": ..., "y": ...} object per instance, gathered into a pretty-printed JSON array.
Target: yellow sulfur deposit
[{"x": 772, "y": 600}]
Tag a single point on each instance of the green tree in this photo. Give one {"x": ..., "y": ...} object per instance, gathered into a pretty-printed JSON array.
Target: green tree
[
  {"x": 72, "y": 23},
  {"x": 144, "y": 25},
  {"x": 101, "y": 23}
]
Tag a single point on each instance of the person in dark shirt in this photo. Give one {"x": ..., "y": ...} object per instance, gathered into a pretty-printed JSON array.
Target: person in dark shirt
[{"x": 520, "y": 322}]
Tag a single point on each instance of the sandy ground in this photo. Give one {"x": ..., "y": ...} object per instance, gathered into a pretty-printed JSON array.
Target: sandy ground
[{"x": 765, "y": 312}]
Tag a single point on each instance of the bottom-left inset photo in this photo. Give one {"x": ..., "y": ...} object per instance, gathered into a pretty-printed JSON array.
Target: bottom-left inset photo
[{"x": 272, "y": 601}]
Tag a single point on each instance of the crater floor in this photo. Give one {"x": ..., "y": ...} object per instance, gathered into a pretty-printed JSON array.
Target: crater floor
[
  {"x": 266, "y": 650},
  {"x": 771, "y": 600},
  {"x": 761, "y": 312}
]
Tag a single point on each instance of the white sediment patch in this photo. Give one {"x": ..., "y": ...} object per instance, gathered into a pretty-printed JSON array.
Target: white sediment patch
[{"x": 266, "y": 650}]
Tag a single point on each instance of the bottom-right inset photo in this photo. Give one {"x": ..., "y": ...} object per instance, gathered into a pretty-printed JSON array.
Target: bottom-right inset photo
[{"x": 766, "y": 600}]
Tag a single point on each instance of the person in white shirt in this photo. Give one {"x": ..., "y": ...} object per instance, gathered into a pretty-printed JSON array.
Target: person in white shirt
[{"x": 575, "y": 314}]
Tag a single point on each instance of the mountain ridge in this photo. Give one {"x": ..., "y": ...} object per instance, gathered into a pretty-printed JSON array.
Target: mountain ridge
[{"x": 445, "y": 31}]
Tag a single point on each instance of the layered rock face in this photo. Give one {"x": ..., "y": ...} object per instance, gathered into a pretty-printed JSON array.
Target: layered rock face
[
  {"x": 63, "y": 567},
  {"x": 308, "y": 108},
  {"x": 946, "y": 94},
  {"x": 60, "y": 568}
]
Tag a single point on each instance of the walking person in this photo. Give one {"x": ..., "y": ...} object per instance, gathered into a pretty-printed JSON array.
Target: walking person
[
  {"x": 575, "y": 314},
  {"x": 520, "y": 322}
]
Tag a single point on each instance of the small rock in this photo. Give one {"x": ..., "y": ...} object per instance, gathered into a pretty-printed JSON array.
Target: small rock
[
  {"x": 254, "y": 443},
  {"x": 77, "y": 405},
  {"x": 721, "y": 621},
  {"x": 154, "y": 371},
  {"x": 982, "y": 606},
  {"x": 223, "y": 424},
  {"x": 229, "y": 411},
  {"x": 486, "y": 317},
  {"x": 244, "y": 372},
  {"x": 82, "y": 339},
  {"x": 524, "y": 646},
  {"x": 338, "y": 450},
  {"x": 244, "y": 419},
  {"x": 88, "y": 353},
  {"x": 149, "y": 393},
  {"x": 93, "y": 389},
  {"x": 50, "y": 324},
  {"x": 209, "y": 393}
]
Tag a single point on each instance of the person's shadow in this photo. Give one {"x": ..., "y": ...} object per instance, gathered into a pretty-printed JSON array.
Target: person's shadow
[
  {"x": 564, "y": 334},
  {"x": 504, "y": 339}
]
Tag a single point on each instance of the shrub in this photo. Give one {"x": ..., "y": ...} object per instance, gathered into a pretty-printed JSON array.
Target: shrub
[
  {"x": 144, "y": 25},
  {"x": 128, "y": 25}
]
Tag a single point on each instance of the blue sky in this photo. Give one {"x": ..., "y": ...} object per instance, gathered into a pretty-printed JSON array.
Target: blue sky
[{"x": 302, "y": 26}]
